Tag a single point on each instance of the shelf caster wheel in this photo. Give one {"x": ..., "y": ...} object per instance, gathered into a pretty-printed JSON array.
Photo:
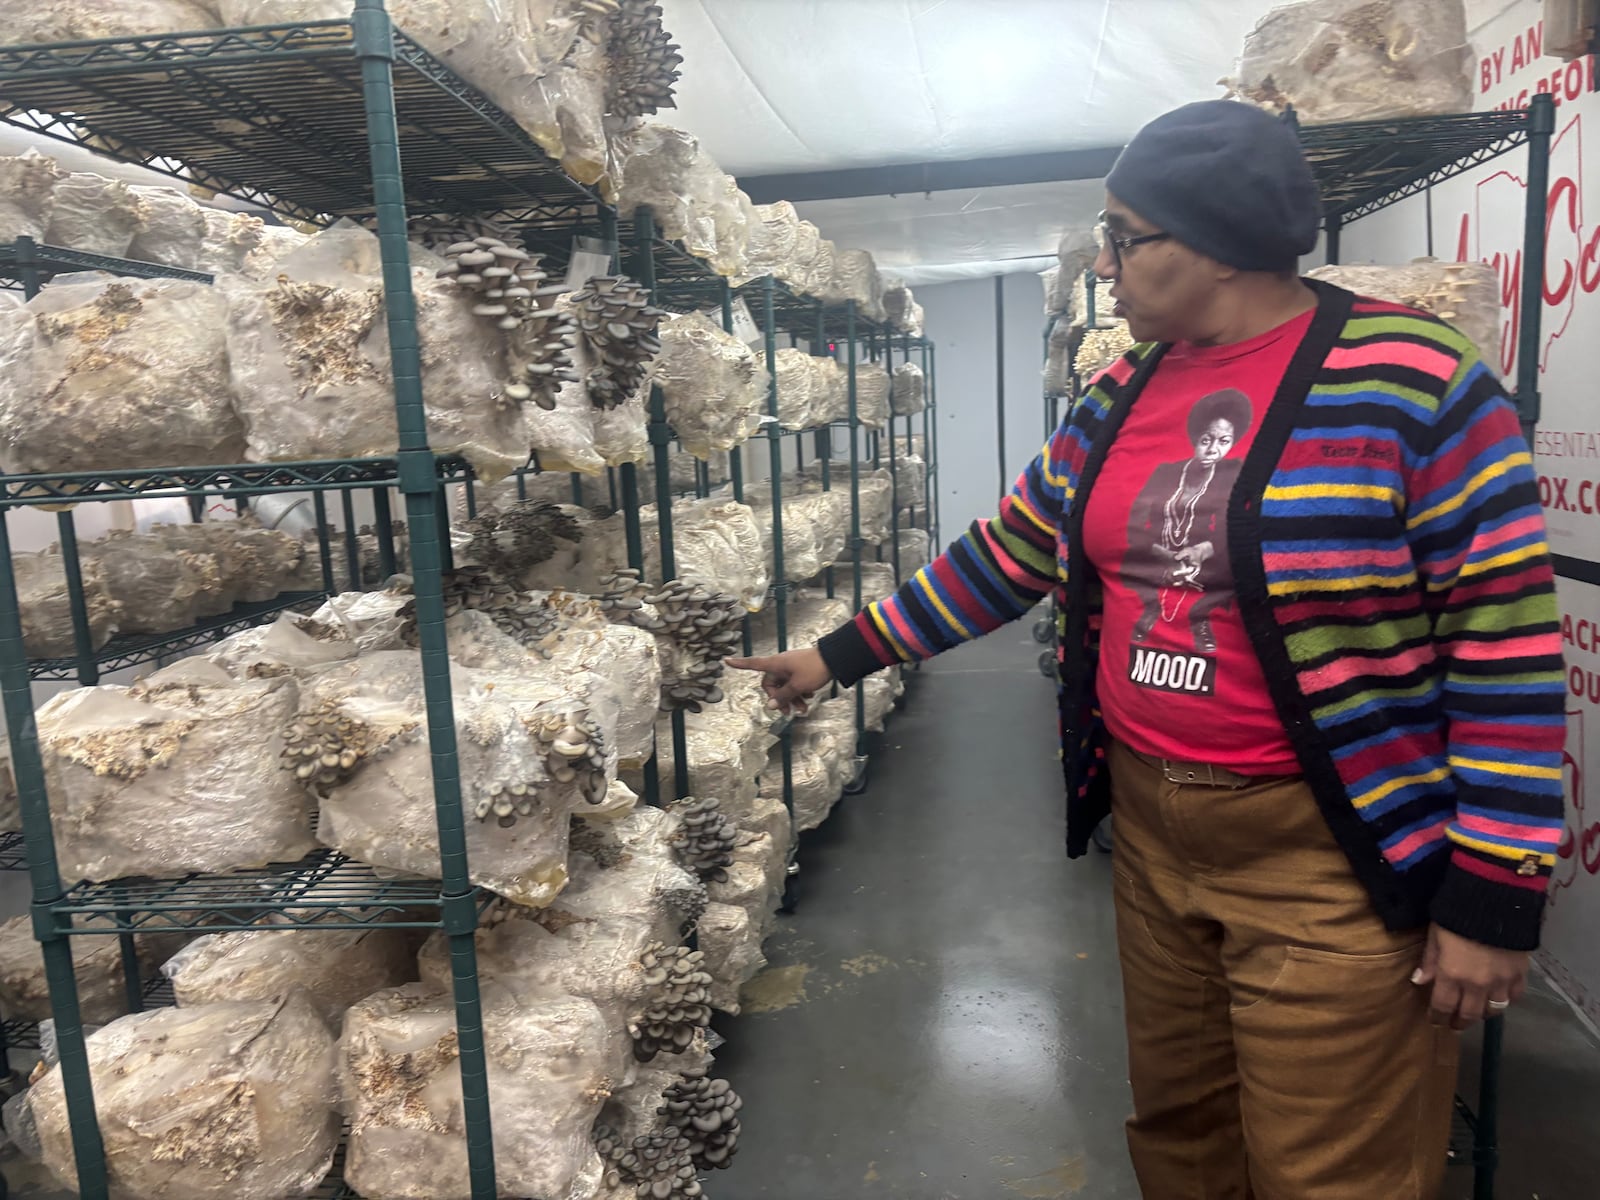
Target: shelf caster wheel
[
  {"x": 1102, "y": 836},
  {"x": 858, "y": 781},
  {"x": 1047, "y": 663},
  {"x": 791, "y": 891},
  {"x": 1043, "y": 630}
]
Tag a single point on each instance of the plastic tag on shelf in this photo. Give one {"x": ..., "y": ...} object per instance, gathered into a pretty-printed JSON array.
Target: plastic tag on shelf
[
  {"x": 590, "y": 258},
  {"x": 744, "y": 323}
]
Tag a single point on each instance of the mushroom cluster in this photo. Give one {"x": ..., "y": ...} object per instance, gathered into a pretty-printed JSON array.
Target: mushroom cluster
[
  {"x": 642, "y": 61},
  {"x": 705, "y": 838},
  {"x": 514, "y": 613},
  {"x": 658, "y": 1166},
  {"x": 574, "y": 750},
  {"x": 324, "y": 747},
  {"x": 677, "y": 1004},
  {"x": 619, "y": 326},
  {"x": 705, "y": 1111},
  {"x": 511, "y": 540},
  {"x": 703, "y": 626},
  {"x": 508, "y": 284}
]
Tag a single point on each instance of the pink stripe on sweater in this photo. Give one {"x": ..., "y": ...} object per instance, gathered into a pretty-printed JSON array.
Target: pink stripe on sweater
[
  {"x": 1495, "y": 873},
  {"x": 1014, "y": 570},
  {"x": 1493, "y": 830},
  {"x": 903, "y": 630},
  {"x": 1360, "y": 560},
  {"x": 1119, "y": 372},
  {"x": 1480, "y": 546},
  {"x": 1345, "y": 669},
  {"x": 1535, "y": 645},
  {"x": 1394, "y": 354},
  {"x": 1405, "y": 848}
]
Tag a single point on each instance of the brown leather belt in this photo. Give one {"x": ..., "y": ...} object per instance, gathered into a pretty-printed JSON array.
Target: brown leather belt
[{"x": 1202, "y": 774}]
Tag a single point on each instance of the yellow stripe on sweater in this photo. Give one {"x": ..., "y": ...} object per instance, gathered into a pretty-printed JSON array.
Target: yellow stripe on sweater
[
  {"x": 933, "y": 599},
  {"x": 1503, "y": 560},
  {"x": 883, "y": 628},
  {"x": 1288, "y": 587},
  {"x": 1325, "y": 491},
  {"x": 1498, "y": 850},
  {"x": 1394, "y": 785},
  {"x": 1521, "y": 770},
  {"x": 1027, "y": 510},
  {"x": 1493, "y": 471}
]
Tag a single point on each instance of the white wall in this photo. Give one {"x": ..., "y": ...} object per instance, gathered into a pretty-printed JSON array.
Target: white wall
[{"x": 961, "y": 321}]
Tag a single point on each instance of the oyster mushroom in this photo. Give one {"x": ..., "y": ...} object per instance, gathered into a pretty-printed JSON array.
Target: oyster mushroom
[
  {"x": 658, "y": 1166},
  {"x": 677, "y": 1002},
  {"x": 705, "y": 1112},
  {"x": 642, "y": 61},
  {"x": 619, "y": 326},
  {"x": 705, "y": 838}
]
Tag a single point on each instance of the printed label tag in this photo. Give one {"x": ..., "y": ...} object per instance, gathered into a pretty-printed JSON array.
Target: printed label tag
[{"x": 1166, "y": 671}]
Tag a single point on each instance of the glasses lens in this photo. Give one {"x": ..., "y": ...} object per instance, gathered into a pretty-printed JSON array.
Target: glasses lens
[{"x": 1107, "y": 241}]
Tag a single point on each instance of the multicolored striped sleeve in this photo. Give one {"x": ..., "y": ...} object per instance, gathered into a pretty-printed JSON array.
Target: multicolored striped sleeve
[
  {"x": 995, "y": 573},
  {"x": 1478, "y": 538}
]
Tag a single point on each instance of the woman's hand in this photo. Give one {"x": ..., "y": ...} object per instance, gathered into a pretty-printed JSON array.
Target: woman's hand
[
  {"x": 790, "y": 679},
  {"x": 1470, "y": 980}
]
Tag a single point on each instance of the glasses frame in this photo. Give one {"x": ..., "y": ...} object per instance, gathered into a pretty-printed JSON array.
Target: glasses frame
[{"x": 1119, "y": 245}]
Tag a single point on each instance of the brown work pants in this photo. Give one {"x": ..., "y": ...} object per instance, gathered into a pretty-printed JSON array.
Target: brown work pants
[{"x": 1276, "y": 1046}]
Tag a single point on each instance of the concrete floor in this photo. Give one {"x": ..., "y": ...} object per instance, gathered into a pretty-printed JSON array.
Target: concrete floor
[{"x": 942, "y": 1019}]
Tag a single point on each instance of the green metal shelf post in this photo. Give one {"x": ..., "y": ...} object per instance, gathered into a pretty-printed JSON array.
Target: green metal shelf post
[
  {"x": 894, "y": 468},
  {"x": 933, "y": 446},
  {"x": 77, "y": 602},
  {"x": 661, "y": 442},
  {"x": 1541, "y": 125},
  {"x": 819, "y": 347},
  {"x": 736, "y": 455},
  {"x": 352, "y": 545},
  {"x": 319, "y": 505},
  {"x": 928, "y": 461},
  {"x": 383, "y": 527},
  {"x": 88, "y": 1150},
  {"x": 427, "y": 528},
  {"x": 857, "y": 545},
  {"x": 780, "y": 581}
]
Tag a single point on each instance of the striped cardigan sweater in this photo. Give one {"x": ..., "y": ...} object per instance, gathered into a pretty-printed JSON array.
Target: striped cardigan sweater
[{"x": 1390, "y": 563}]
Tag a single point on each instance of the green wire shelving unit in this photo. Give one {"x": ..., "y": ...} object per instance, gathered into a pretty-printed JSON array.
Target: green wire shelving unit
[{"x": 316, "y": 122}]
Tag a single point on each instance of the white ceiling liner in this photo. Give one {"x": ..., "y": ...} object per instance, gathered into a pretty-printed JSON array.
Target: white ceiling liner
[
  {"x": 794, "y": 85},
  {"x": 803, "y": 85},
  {"x": 942, "y": 236}
]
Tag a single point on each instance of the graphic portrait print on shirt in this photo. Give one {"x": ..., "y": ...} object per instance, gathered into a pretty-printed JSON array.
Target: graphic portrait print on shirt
[
  {"x": 1178, "y": 676},
  {"x": 1177, "y": 558}
]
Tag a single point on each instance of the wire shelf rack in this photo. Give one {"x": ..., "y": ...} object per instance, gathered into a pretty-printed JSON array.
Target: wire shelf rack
[
  {"x": 251, "y": 479},
  {"x": 273, "y": 115},
  {"x": 1364, "y": 166},
  {"x": 16, "y": 258},
  {"x": 13, "y": 852},
  {"x": 137, "y": 650},
  {"x": 324, "y": 890}
]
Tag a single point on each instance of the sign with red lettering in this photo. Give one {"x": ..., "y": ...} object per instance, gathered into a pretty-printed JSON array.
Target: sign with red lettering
[{"x": 1481, "y": 216}]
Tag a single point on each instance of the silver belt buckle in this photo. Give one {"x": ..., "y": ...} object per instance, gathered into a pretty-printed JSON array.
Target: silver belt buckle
[{"x": 1174, "y": 775}]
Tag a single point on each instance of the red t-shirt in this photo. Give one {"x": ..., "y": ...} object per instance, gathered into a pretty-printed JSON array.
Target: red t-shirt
[{"x": 1178, "y": 678}]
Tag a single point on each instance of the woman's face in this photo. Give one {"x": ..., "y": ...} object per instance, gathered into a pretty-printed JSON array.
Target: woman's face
[{"x": 1215, "y": 441}]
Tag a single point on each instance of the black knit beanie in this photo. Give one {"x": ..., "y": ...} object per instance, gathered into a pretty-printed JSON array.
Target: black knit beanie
[{"x": 1226, "y": 179}]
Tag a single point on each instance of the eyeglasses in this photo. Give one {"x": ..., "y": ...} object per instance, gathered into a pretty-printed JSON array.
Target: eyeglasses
[{"x": 1118, "y": 245}]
